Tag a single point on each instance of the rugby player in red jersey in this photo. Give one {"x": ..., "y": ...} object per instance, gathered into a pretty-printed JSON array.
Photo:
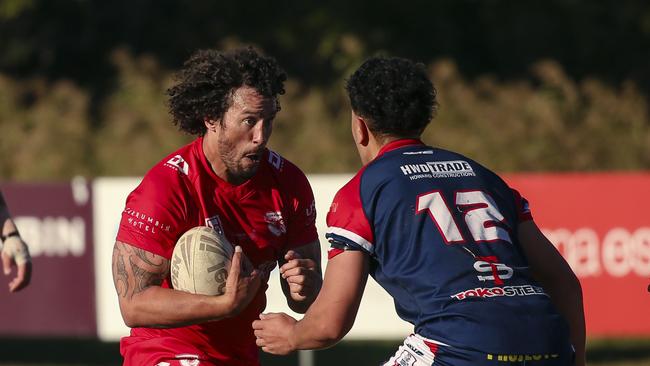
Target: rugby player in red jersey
[
  {"x": 229, "y": 180},
  {"x": 455, "y": 247}
]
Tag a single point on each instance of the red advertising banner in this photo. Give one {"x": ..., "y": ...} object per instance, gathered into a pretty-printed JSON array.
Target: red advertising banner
[
  {"x": 56, "y": 222},
  {"x": 600, "y": 225}
]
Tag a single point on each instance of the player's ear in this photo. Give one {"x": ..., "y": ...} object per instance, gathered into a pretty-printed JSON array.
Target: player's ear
[
  {"x": 210, "y": 124},
  {"x": 360, "y": 130}
]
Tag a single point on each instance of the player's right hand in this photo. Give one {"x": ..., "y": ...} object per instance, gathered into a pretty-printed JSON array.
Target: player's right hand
[
  {"x": 15, "y": 253},
  {"x": 273, "y": 333},
  {"x": 240, "y": 288}
]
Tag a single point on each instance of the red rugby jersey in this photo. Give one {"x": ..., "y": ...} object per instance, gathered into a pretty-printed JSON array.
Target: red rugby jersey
[{"x": 269, "y": 214}]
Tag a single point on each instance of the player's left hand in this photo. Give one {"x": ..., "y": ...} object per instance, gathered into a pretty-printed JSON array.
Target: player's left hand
[
  {"x": 15, "y": 253},
  {"x": 273, "y": 333},
  {"x": 302, "y": 275}
]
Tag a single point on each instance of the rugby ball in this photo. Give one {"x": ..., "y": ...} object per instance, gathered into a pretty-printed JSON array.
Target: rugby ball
[{"x": 201, "y": 261}]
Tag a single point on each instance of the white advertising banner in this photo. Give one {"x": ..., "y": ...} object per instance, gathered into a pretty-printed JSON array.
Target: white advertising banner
[
  {"x": 376, "y": 318},
  {"x": 109, "y": 197}
]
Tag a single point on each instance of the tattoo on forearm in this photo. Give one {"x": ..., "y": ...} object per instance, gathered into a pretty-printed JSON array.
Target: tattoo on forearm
[
  {"x": 142, "y": 277},
  {"x": 144, "y": 269}
]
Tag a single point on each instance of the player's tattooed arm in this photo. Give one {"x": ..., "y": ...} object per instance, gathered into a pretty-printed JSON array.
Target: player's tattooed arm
[
  {"x": 135, "y": 269},
  {"x": 138, "y": 275}
]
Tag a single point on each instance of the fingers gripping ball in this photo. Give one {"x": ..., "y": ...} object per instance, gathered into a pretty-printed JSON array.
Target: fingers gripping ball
[
  {"x": 200, "y": 261},
  {"x": 15, "y": 248}
]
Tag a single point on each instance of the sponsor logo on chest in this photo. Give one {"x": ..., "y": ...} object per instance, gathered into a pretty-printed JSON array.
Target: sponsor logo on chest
[
  {"x": 273, "y": 220},
  {"x": 215, "y": 223},
  {"x": 275, "y": 223}
]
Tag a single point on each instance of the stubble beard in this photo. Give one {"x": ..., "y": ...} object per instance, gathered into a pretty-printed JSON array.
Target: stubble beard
[{"x": 235, "y": 170}]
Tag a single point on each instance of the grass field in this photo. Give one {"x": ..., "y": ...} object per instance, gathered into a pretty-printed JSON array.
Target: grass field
[{"x": 88, "y": 352}]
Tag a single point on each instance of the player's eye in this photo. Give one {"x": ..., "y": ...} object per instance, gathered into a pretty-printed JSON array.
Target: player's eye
[{"x": 249, "y": 122}]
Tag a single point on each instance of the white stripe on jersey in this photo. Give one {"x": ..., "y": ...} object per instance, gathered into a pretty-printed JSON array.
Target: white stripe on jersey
[{"x": 352, "y": 237}]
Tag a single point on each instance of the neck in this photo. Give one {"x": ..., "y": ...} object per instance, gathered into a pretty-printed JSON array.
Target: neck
[{"x": 375, "y": 144}]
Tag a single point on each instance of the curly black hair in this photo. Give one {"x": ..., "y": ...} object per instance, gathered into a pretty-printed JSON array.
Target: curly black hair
[
  {"x": 394, "y": 95},
  {"x": 205, "y": 84}
]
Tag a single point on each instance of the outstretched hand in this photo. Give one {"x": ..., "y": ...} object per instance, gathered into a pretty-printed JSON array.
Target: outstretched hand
[{"x": 273, "y": 333}]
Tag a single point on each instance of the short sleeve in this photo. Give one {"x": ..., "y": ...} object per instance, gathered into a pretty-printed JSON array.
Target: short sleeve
[
  {"x": 523, "y": 209},
  {"x": 348, "y": 227},
  {"x": 301, "y": 228},
  {"x": 156, "y": 214}
]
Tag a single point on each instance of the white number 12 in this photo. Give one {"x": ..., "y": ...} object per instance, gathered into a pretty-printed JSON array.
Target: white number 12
[{"x": 482, "y": 216}]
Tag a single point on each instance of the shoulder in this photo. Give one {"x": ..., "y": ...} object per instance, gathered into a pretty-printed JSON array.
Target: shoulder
[
  {"x": 184, "y": 162},
  {"x": 282, "y": 166},
  {"x": 347, "y": 221},
  {"x": 171, "y": 176},
  {"x": 161, "y": 207},
  {"x": 284, "y": 171},
  {"x": 477, "y": 168},
  {"x": 495, "y": 184},
  {"x": 348, "y": 197}
]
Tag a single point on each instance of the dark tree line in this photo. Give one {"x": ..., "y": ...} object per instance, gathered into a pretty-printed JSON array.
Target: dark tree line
[
  {"x": 316, "y": 41},
  {"x": 524, "y": 85}
]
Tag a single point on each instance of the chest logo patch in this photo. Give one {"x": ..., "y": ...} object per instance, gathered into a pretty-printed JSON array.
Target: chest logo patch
[
  {"x": 275, "y": 223},
  {"x": 215, "y": 223}
]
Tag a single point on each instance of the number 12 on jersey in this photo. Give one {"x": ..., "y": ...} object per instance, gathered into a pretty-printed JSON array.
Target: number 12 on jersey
[{"x": 482, "y": 216}]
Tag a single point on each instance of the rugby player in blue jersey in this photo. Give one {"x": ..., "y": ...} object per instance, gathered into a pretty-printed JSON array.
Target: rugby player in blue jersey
[{"x": 447, "y": 238}]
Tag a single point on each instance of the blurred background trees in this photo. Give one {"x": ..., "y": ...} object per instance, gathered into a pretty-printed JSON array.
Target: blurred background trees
[{"x": 551, "y": 85}]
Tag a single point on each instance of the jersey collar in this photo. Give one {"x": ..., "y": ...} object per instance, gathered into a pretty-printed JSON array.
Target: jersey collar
[{"x": 396, "y": 144}]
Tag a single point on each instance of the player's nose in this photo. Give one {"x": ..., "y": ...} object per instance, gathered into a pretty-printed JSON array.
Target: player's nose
[{"x": 261, "y": 133}]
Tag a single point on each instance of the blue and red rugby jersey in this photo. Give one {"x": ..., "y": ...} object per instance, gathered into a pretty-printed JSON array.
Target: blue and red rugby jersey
[{"x": 441, "y": 232}]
